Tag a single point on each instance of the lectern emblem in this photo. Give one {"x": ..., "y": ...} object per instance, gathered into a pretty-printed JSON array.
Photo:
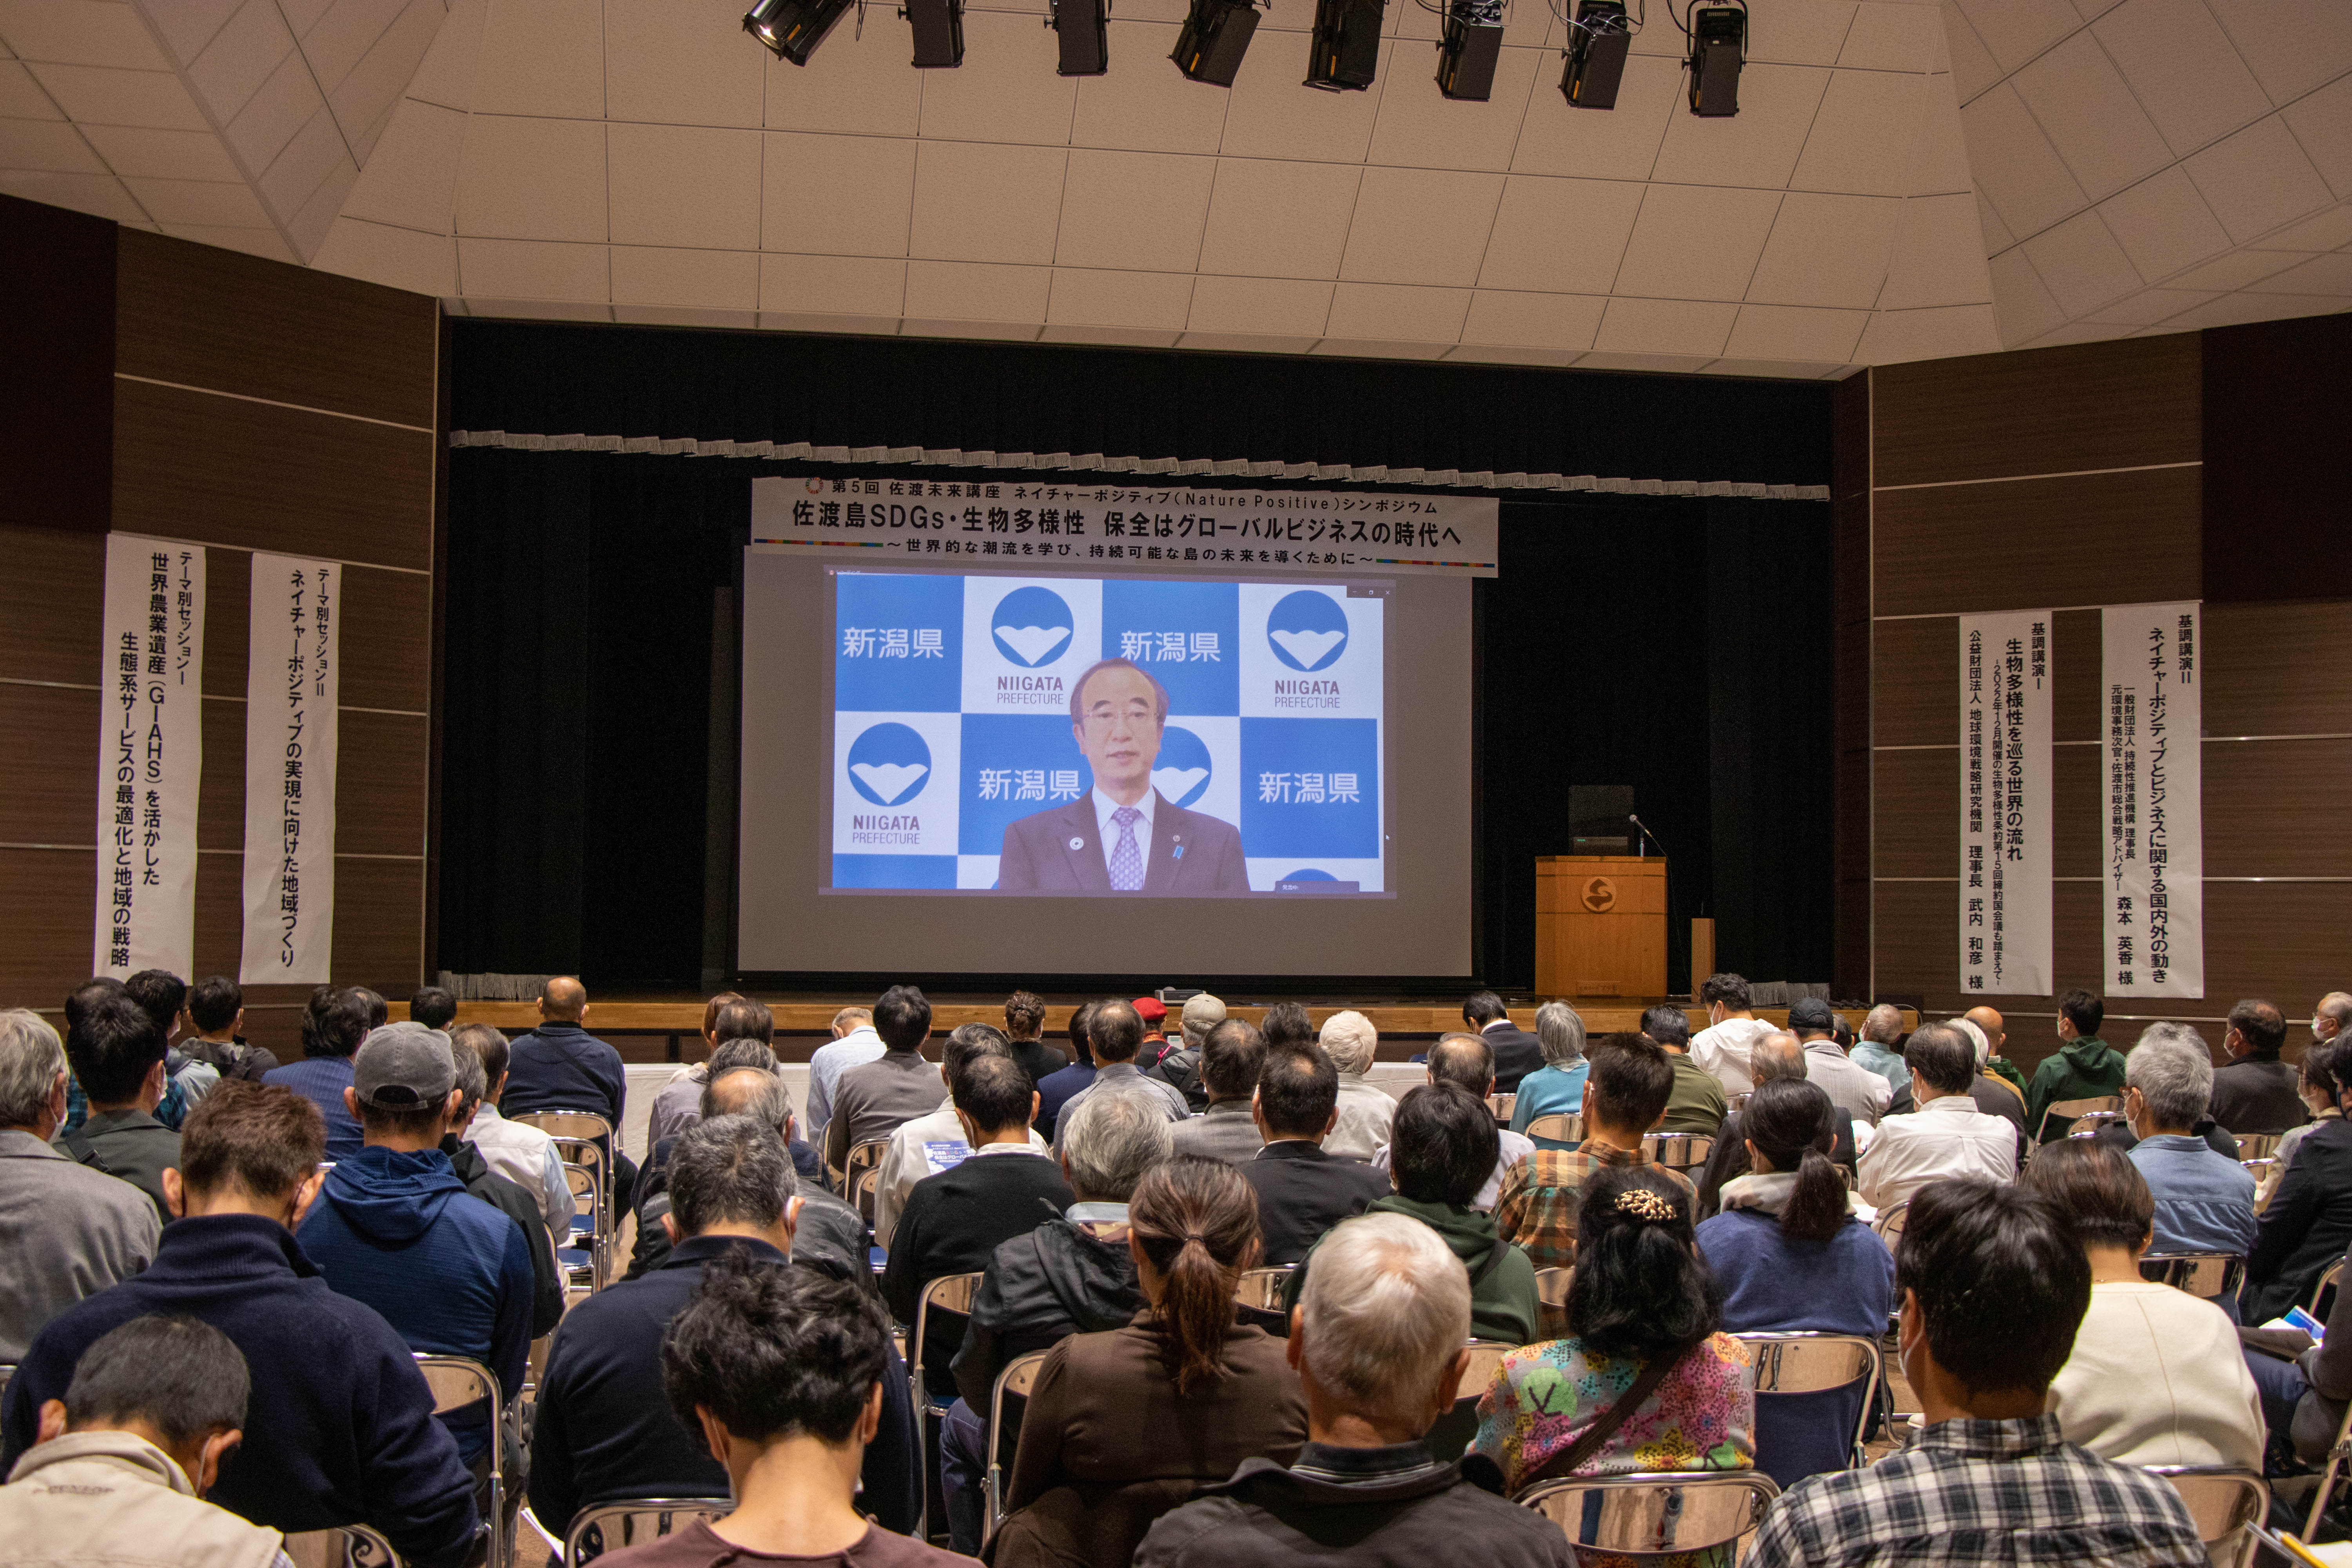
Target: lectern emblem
[{"x": 1600, "y": 895}]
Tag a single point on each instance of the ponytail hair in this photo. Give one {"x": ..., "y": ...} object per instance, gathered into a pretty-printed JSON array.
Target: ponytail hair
[
  {"x": 1792, "y": 1127},
  {"x": 1641, "y": 1289},
  {"x": 1196, "y": 1219}
]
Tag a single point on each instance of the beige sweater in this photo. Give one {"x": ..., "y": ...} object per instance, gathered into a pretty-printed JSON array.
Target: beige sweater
[
  {"x": 110, "y": 1497},
  {"x": 2157, "y": 1377}
]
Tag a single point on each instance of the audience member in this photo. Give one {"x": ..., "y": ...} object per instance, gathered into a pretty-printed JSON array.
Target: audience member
[
  {"x": 1880, "y": 1049},
  {"x": 2204, "y": 1201},
  {"x": 1468, "y": 1062},
  {"x": 854, "y": 1044},
  {"x": 1376, "y": 1342},
  {"x": 174, "y": 1107},
  {"x": 1624, "y": 1098},
  {"x": 1443, "y": 1154},
  {"x": 124, "y": 1459},
  {"x": 601, "y": 1431},
  {"x": 1642, "y": 1360},
  {"x": 954, "y": 1220},
  {"x": 1946, "y": 1136},
  {"x": 2084, "y": 1068},
  {"x": 1993, "y": 1286},
  {"x": 1124, "y": 1426},
  {"x": 1856, "y": 1091},
  {"x": 341, "y": 1428},
  {"x": 2330, "y": 1016},
  {"x": 515, "y": 1150},
  {"x": 1776, "y": 1057},
  {"x": 1697, "y": 1103},
  {"x": 2257, "y": 1092},
  {"x": 560, "y": 1066},
  {"x": 830, "y": 1232},
  {"x": 1072, "y": 1274},
  {"x": 933, "y": 1142},
  {"x": 2155, "y": 1376},
  {"x": 1302, "y": 1191},
  {"x": 729, "y": 1015},
  {"x": 1231, "y": 1056},
  {"x": 1995, "y": 1060},
  {"x": 1057, "y": 1088},
  {"x": 1791, "y": 1258},
  {"x": 1024, "y": 1025},
  {"x": 511, "y": 1198},
  {"x": 2305, "y": 1386},
  {"x": 1557, "y": 1086},
  {"x": 379, "y": 1011},
  {"x": 164, "y": 997},
  {"x": 2307, "y": 1223},
  {"x": 1732, "y": 1030},
  {"x": 117, "y": 1053},
  {"x": 433, "y": 1007},
  {"x": 1179, "y": 1066},
  {"x": 2315, "y": 1075},
  {"x": 454, "y": 1279},
  {"x": 1115, "y": 1033},
  {"x": 332, "y": 1027},
  {"x": 1993, "y": 1095},
  {"x": 724, "y": 1059},
  {"x": 66, "y": 1232},
  {"x": 872, "y": 1101},
  {"x": 1152, "y": 1014},
  {"x": 1516, "y": 1052},
  {"x": 1287, "y": 1024},
  {"x": 214, "y": 1031},
  {"x": 788, "y": 1380},
  {"x": 1365, "y": 1112}
]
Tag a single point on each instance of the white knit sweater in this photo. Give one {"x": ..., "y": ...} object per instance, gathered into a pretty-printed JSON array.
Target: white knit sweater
[{"x": 2157, "y": 1377}]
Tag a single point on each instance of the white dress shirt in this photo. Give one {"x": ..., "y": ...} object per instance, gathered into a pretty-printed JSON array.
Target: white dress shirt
[
  {"x": 1948, "y": 1136},
  {"x": 1104, "y": 808},
  {"x": 911, "y": 1158},
  {"x": 1851, "y": 1087},
  {"x": 527, "y": 1157},
  {"x": 826, "y": 1065},
  {"x": 1723, "y": 1052}
]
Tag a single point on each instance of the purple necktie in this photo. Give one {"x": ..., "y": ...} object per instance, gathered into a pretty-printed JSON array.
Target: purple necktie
[{"x": 1126, "y": 860}]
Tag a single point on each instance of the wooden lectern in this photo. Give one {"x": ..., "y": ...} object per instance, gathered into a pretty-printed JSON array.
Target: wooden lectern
[{"x": 1601, "y": 925}]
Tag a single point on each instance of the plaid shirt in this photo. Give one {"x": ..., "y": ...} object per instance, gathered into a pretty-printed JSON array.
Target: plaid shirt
[
  {"x": 1983, "y": 1491},
  {"x": 1540, "y": 1198}
]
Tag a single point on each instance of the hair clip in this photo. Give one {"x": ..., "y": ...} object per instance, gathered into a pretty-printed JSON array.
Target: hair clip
[{"x": 1645, "y": 1205}]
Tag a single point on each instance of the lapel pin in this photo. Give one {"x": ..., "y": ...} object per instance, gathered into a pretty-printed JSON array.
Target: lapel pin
[{"x": 1078, "y": 844}]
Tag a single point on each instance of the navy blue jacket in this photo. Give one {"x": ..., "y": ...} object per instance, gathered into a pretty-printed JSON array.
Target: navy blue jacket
[
  {"x": 321, "y": 1080},
  {"x": 338, "y": 1428},
  {"x": 603, "y": 1427},
  {"x": 1057, "y": 1090},
  {"x": 562, "y": 1067}
]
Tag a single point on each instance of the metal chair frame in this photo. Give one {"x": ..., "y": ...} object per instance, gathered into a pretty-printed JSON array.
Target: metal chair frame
[
  {"x": 1551, "y": 1300},
  {"x": 1681, "y": 1152},
  {"x": 948, "y": 1293},
  {"x": 2258, "y": 1145},
  {"x": 2338, "y": 1454},
  {"x": 863, "y": 1172},
  {"x": 626, "y": 1512},
  {"x": 456, "y": 1382},
  {"x": 1258, "y": 1295},
  {"x": 1559, "y": 1127},
  {"x": 584, "y": 1180},
  {"x": 2332, "y": 1275},
  {"x": 1641, "y": 1496},
  {"x": 1890, "y": 1220},
  {"x": 1019, "y": 1376},
  {"x": 2248, "y": 1501},
  {"x": 2069, "y": 1111},
  {"x": 2192, "y": 1271},
  {"x": 1501, "y": 1105},
  {"x": 1785, "y": 1364},
  {"x": 353, "y": 1546}
]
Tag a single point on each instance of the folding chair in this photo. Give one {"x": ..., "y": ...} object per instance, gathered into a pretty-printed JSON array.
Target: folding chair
[
  {"x": 458, "y": 1382},
  {"x": 2337, "y": 1454},
  {"x": 609, "y": 1526},
  {"x": 1449, "y": 1436},
  {"x": 1551, "y": 1298},
  {"x": 2070, "y": 1110},
  {"x": 1559, "y": 1127},
  {"x": 2223, "y": 1501},
  {"x": 1890, "y": 1221},
  {"x": 588, "y": 1195},
  {"x": 950, "y": 1294},
  {"x": 1501, "y": 1105},
  {"x": 1683, "y": 1152},
  {"x": 1808, "y": 1362},
  {"x": 863, "y": 1175},
  {"x": 2327, "y": 1281},
  {"x": 1019, "y": 1376},
  {"x": 1258, "y": 1293},
  {"x": 2203, "y": 1275},
  {"x": 353, "y": 1546},
  {"x": 1655, "y": 1514},
  {"x": 2258, "y": 1146}
]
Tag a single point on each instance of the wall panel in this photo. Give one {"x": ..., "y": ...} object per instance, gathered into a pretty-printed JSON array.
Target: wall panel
[
  {"x": 49, "y": 791},
  {"x": 51, "y": 604},
  {"x": 2050, "y": 411},
  {"x": 2100, "y": 539}
]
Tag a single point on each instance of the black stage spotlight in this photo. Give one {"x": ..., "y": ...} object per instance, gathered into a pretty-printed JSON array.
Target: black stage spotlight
[
  {"x": 939, "y": 32},
  {"x": 793, "y": 28},
  {"x": 1718, "y": 35},
  {"x": 1346, "y": 51},
  {"x": 1083, "y": 26},
  {"x": 1597, "y": 43},
  {"x": 1214, "y": 37},
  {"x": 1467, "y": 53}
]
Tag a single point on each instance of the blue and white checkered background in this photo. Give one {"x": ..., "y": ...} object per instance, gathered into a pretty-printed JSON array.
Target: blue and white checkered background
[{"x": 952, "y": 718}]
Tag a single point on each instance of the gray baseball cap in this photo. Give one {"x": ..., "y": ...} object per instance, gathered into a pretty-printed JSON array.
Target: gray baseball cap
[
  {"x": 1201, "y": 1014},
  {"x": 402, "y": 1066}
]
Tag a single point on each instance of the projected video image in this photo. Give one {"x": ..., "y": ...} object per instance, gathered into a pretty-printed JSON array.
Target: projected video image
[{"x": 1095, "y": 737}]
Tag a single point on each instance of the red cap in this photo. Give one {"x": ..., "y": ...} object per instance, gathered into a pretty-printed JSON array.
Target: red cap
[{"x": 1150, "y": 1009}]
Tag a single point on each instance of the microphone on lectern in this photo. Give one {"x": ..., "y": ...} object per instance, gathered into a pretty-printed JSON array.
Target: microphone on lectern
[{"x": 1645, "y": 827}]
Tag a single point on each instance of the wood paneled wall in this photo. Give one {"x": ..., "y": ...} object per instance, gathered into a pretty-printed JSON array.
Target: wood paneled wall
[
  {"x": 2071, "y": 479},
  {"x": 253, "y": 406}
]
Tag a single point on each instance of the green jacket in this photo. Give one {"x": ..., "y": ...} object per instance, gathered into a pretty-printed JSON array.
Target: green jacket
[
  {"x": 2006, "y": 1069},
  {"x": 1501, "y": 1285},
  {"x": 2084, "y": 1069}
]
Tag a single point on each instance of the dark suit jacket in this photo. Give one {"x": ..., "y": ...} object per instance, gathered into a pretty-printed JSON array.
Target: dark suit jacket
[
  {"x": 1302, "y": 1191},
  {"x": 1516, "y": 1054},
  {"x": 2307, "y": 1225},
  {"x": 2260, "y": 1094},
  {"x": 1192, "y": 855}
]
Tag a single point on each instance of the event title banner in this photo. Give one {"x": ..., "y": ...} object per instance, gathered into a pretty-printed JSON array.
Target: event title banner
[{"x": 1162, "y": 529}]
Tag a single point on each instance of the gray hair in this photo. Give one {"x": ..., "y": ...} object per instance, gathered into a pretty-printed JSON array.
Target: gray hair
[
  {"x": 1350, "y": 1040},
  {"x": 1112, "y": 1140},
  {"x": 1882, "y": 1024},
  {"x": 2172, "y": 1068},
  {"x": 472, "y": 1080},
  {"x": 31, "y": 1062},
  {"x": 1561, "y": 1033},
  {"x": 768, "y": 1102},
  {"x": 1977, "y": 1037},
  {"x": 731, "y": 1170},
  {"x": 742, "y": 1052},
  {"x": 1387, "y": 1306}
]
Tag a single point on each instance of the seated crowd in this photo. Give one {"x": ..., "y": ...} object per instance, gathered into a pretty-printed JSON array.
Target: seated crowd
[{"x": 1207, "y": 1295}]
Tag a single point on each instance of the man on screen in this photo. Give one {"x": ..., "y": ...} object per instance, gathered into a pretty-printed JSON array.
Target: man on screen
[{"x": 1125, "y": 837}]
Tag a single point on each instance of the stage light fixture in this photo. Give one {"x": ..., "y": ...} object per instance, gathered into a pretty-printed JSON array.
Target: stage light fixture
[
  {"x": 939, "y": 32},
  {"x": 1214, "y": 37},
  {"x": 1345, "y": 52},
  {"x": 1597, "y": 44},
  {"x": 793, "y": 28},
  {"x": 1469, "y": 49},
  {"x": 1083, "y": 27},
  {"x": 1719, "y": 38}
]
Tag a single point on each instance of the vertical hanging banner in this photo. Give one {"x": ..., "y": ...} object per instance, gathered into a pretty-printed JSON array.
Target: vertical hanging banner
[
  {"x": 2155, "y": 869},
  {"x": 2005, "y": 804},
  {"x": 150, "y": 756},
  {"x": 290, "y": 771}
]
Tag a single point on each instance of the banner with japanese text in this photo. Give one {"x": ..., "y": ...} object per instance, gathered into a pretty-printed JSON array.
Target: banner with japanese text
[
  {"x": 2005, "y": 780},
  {"x": 292, "y": 680},
  {"x": 2153, "y": 764},
  {"x": 1170, "y": 529},
  {"x": 150, "y": 755}
]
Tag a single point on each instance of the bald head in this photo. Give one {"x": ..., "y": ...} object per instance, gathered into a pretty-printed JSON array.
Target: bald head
[
  {"x": 1777, "y": 1055},
  {"x": 2333, "y": 1013},
  {"x": 1988, "y": 1020},
  {"x": 850, "y": 1020},
  {"x": 1882, "y": 1025},
  {"x": 563, "y": 1000},
  {"x": 755, "y": 1092}
]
